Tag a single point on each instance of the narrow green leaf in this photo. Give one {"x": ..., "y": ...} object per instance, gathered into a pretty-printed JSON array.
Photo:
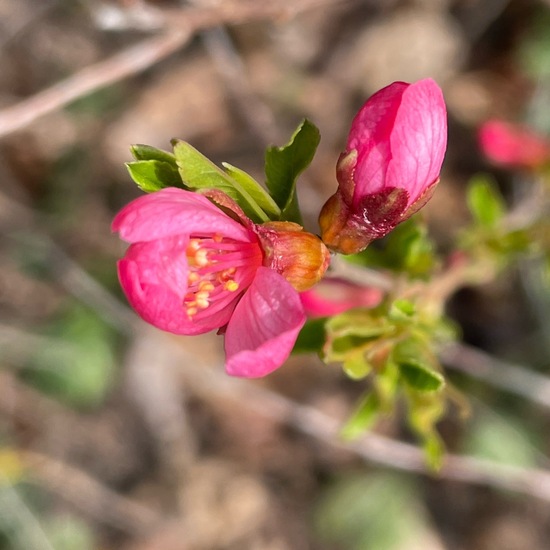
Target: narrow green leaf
[
  {"x": 198, "y": 172},
  {"x": 152, "y": 175},
  {"x": 146, "y": 152},
  {"x": 485, "y": 201},
  {"x": 434, "y": 451},
  {"x": 284, "y": 164},
  {"x": 363, "y": 418},
  {"x": 419, "y": 376},
  {"x": 256, "y": 191}
]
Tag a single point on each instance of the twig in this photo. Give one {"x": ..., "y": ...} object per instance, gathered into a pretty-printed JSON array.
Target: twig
[
  {"x": 496, "y": 372},
  {"x": 372, "y": 447},
  {"x": 360, "y": 275},
  {"x": 180, "y": 24},
  {"x": 130, "y": 61},
  {"x": 90, "y": 496}
]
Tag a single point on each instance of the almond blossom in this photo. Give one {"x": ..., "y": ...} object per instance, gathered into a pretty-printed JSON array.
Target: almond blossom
[{"x": 191, "y": 268}]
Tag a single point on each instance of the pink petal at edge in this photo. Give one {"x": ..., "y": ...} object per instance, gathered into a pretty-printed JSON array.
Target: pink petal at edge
[
  {"x": 418, "y": 139},
  {"x": 264, "y": 326},
  {"x": 173, "y": 211},
  {"x": 370, "y": 136}
]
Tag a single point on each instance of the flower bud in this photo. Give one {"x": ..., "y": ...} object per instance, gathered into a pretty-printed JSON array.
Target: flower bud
[
  {"x": 300, "y": 257},
  {"x": 390, "y": 167},
  {"x": 513, "y": 146}
]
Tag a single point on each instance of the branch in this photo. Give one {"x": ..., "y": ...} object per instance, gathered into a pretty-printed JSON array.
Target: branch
[
  {"x": 89, "y": 495},
  {"x": 213, "y": 384},
  {"x": 503, "y": 375},
  {"x": 180, "y": 24}
]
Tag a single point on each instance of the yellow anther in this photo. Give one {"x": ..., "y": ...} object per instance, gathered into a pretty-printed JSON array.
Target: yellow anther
[
  {"x": 193, "y": 277},
  {"x": 193, "y": 246},
  {"x": 231, "y": 285},
  {"x": 202, "y": 300},
  {"x": 226, "y": 274},
  {"x": 206, "y": 286},
  {"x": 201, "y": 257},
  {"x": 192, "y": 311}
]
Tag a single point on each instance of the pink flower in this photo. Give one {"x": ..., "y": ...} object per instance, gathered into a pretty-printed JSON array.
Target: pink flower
[
  {"x": 191, "y": 268},
  {"x": 390, "y": 167},
  {"x": 513, "y": 146},
  {"x": 334, "y": 296}
]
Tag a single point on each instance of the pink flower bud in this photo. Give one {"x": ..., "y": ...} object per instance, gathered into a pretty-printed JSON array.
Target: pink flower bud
[
  {"x": 191, "y": 268},
  {"x": 390, "y": 167},
  {"x": 513, "y": 146}
]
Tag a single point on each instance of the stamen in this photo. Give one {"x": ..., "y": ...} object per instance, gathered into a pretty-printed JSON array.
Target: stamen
[
  {"x": 231, "y": 285},
  {"x": 217, "y": 268},
  {"x": 192, "y": 278},
  {"x": 193, "y": 247},
  {"x": 201, "y": 257},
  {"x": 206, "y": 286}
]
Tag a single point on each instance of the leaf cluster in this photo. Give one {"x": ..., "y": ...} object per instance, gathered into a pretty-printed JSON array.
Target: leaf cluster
[{"x": 187, "y": 168}]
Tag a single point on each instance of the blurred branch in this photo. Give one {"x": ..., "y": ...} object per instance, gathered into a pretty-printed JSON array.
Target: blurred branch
[
  {"x": 89, "y": 495},
  {"x": 372, "y": 447},
  {"x": 128, "y": 62},
  {"x": 181, "y": 25},
  {"x": 360, "y": 275},
  {"x": 498, "y": 373}
]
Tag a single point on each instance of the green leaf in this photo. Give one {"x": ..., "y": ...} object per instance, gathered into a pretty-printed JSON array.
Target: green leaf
[
  {"x": 198, "y": 172},
  {"x": 434, "y": 450},
  {"x": 501, "y": 438},
  {"x": 80, "y": 369},
  {"x": 485, "y": 201},
  {"x": 256, "y": 191},
  {"x": 312, "y": 336},
  {"x": 146, "y": 152},
  {"x": 152, "y": 175},
  {"x": 419, "y": 376},
  {"x": 356, "y": 366},
  {"x": 377, "y": 511},
  {"x": 284, "y": 164},
  {"x": 407, "y": 248},
  {"x": 363, "y": 418},
  {"x": 402, "y": 310},
  {"x": 424, "y": 411}
]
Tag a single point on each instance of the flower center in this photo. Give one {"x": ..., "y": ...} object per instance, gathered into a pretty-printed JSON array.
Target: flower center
[{"x": 217, "y": 269}]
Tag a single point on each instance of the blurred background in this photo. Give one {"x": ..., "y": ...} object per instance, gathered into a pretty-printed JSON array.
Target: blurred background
[{"x": 116, "y": 436}]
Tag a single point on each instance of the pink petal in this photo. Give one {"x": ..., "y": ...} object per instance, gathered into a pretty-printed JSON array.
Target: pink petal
[
  {"x": 173, "y": 211},
  {"x": 264, "y": 326},
  {"x": 370, "y": 136},
  {"x": 513, "y": 146},
  {"x": 334, "y": 296},
  {"x": 418, "y": 139},
  {"x": 153, "y": 276}
]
